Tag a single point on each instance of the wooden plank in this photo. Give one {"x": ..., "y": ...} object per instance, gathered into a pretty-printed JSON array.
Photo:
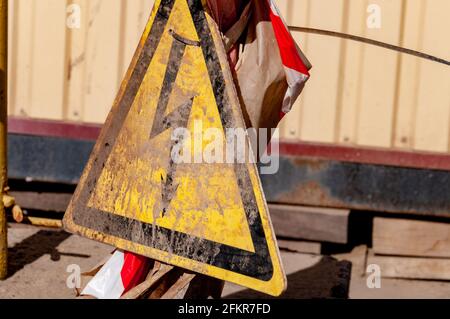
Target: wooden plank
[
  {"x": 179, "y": 286},
  {"x": 306, "y": 247},
  {"x": 412, "y": 268},
  {"x": 52, "y": 202},
  {"x": 152, "y": 280},
  {"x": 402, "y": 237},
  {"x": 310, "y": 223}
]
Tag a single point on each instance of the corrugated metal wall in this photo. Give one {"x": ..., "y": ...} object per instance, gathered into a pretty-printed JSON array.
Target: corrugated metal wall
[
  {"x": 358, "y": 95},
  {"x": 71, "y": 74},
  {"x": 366, "y": 95}
]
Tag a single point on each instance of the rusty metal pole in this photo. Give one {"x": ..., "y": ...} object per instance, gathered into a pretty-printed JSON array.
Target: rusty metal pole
[{"x": 3, "y": 133}]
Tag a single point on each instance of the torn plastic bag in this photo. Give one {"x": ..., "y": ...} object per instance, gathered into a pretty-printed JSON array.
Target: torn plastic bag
[{"x": 270, "y": 68}]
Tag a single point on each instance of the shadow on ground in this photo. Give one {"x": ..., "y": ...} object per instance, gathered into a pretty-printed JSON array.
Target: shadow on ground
[
  {"x": 328, "y": 278},
  {"x": 44, "y": 242}
]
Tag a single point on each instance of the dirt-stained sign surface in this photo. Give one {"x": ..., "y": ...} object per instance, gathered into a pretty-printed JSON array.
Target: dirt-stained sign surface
[{"x": 210, "y": 218}]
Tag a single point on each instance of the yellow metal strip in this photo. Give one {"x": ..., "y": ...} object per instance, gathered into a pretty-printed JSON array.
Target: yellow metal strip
[{"x": 3, "y": 133}]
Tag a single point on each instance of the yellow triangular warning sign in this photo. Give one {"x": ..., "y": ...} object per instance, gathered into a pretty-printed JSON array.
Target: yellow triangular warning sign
[{"x": 147, "y": 187}]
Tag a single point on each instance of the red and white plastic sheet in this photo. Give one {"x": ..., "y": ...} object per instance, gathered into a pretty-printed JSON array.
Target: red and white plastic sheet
[
  {"x": 297, "y": 72},
  {"x": 121, "y": 273}
]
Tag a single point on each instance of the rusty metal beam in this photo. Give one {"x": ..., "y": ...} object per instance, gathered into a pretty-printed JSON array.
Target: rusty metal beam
[
  {"x": 327, "y": 183},
  {"x": 52, "y": 128},
  {"x": 365, "y": 155},
  {"x": 317, "y": 180},
  {"x": 47, "y": 159},
  {"x": 3, "y": 133}
]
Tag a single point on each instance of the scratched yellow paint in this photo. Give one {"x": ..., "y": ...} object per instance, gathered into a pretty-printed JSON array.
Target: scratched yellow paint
[{"x": 207, "y": 202}]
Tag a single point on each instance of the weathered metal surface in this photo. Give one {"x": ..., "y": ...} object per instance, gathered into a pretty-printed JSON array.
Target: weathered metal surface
[
  {"x": 208, "y": 218},
  {"x": 367, "y": 155},
  {"x": 50, "y": 128},
  {"x": 299, "y": 181},
  {"x": 321, "y": 182},
  {"x": 363, "y": 155},
  {"x": 47, "y": 159}
]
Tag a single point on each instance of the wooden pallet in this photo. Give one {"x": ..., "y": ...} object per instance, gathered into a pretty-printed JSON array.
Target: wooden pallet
[
  {"x": 168, "y": 282},
  {"x": 411, "y": 249},
  {"x": 310, "y": 223}
]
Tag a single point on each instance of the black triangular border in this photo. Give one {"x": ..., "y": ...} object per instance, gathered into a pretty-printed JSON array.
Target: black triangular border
[{"x": 256, "y": 265}]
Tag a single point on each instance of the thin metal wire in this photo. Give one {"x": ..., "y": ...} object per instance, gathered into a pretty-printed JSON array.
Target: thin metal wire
[{"x": 371, "y": 42}]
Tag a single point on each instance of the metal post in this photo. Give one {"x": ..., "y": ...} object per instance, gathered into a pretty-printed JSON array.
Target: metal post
[{"x": 3, "y": 132}]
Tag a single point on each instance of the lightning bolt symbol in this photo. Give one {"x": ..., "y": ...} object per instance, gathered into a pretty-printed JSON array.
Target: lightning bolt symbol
[{"x": 177, "y": 119}]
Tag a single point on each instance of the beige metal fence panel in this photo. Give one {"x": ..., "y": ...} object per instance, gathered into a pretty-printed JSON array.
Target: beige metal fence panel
[
  {"x": 433, "y": 100},
  {"x": 75, "y": 74},
  {"x": 39, "y": 42},
  {"x": 405, "y": 112},
  {"x": 382, "y": 98},
  {"x": 351, "y": 76},
  {"x": 358, "y": 94}
]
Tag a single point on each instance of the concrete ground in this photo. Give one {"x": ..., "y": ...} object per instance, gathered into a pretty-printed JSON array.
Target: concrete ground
[{"x": 39, "y": 260}]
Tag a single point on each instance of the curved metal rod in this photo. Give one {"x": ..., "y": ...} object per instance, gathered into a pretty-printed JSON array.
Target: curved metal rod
[{"x": 371, "y": 42}]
